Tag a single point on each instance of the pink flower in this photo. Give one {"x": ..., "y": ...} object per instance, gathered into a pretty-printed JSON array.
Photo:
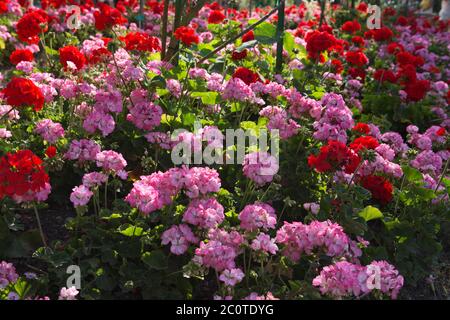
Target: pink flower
[
  {"x": 231, "y": 276},
  {"x": 258, "y": 215},
  {"x": 101, "y": 121},
  {"x": 200, "y": 181},
  {"x": 94, "y": 179},
  {"x": 204, "y": 212},
  {"x": 68, "y": 293},
  {"x": 8, "y": 274},
  {"x": 145, "y": 115},
  {"x": 180, "y": 237},
  {"x": 278, "y": 120},
  {"x": 174, "y": 87},
  {"x": 80, "y": 196},
  {"x": 49, "y": 130},
  {"x": 264, "y": 243},
  {"x": 110, "y": 161},
  {"x": 82, "y": 150},
  {"x": 260, "y": 167}
]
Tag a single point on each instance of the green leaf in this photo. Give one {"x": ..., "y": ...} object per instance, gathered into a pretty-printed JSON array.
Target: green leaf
[
  {"x": 132, "y": 231},
  {"x": 265, "y": 33},
  {"x": 412, "y": 174},
  {"x": 155, "y": 259},
  {"x": 51, "y": 51},
  {"x": 370, "y": 213},
  {"x": 208, "y": 98},
  {"x": 246, "y": 45}
]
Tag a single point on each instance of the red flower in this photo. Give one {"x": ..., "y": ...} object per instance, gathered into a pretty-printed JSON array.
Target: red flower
[
  {"x": 216, "y": 16},
  {"x": 108, "y": 17},
  {"x": 249, "y": 36},
  {"x": 246, "y": 75},
  {"x": 351, "y": 26},
  {"x": 441, "y": 132},
  {"x": 3, "y": 6},
  {"x": 394, "y": 47},
  {"x": 364, "y": 143},
  {"x": 50, "y": 151},
  {"x": 357, "y": 58},
  {"x": 187, "y": 35},
  {"x": 403, "y": 21},
  {"x": 31, "y": 25},
  {"x": 362, "y": 7},
  {"x": 335, "y": 155},
  {"x": 23, "y": 92},
  {"x": 141, "y": 42},
  {"x": 72, "y": 54},
  {"x": 359, "y": 41},
  {"x": 404, "y": 58},
  {"x": 318, "y": 42},
  {"x": 357, "y": 73},
  {"x": 239, "y": 55},
  {"x": 98, "y": 55},
  {"x": 417, "y": 90},
  {"x": 337, "y": 66},
  {"x": 19, "y": 55},
  {"x": 361, "y": 128},
  {"x": 21, "y": 173},
  {"x": 383, "y": 75},
  {"x": 380, "y": 188},
  {"x": 382, "y": 34}
]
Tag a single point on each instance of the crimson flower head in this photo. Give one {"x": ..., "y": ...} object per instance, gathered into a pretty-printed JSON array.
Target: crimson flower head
[
  {"x": 380, "y": 188},
  {"x": 361, "y": 127},
  {"x": 246, "y": 75},
  {"x": 72, "y": 54},
  {"x": 249, "y": 36},
  {"x": 23, "y": 92},
  {"x": 362, "y": 7},
  {"x": 141, "y": 42},
  {"x": 335, "y": 155},
  {"x": 21, "y": 173},
  {"x": 50, "y": 151},
  {"x": 318, "y": 42},
  {"x": 356, "y": 58},
  {"x": 187, "y": 35},
  {"x": 351, "y": 26},
  {"x": 417, "y": 90},
  {"x": 108, "y": 17},
  {"x": 364, "y": 143},
  {"x": 31, "y": 25},
  {"x": 384, "y": 75},
  {"x": 20, "y": 55},
  {"x": 216, "y": 16}
]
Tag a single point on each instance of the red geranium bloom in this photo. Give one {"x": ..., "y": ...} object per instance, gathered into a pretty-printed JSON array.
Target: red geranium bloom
[
  {"x": 187, "y": 35},
  {"x": 357, "y": 58},
  {"x": 362, "y": 7},
  {"x": 3, "y": 6},
  {"x": 23, "y": 92},
  {"x": 335, "y": 155},
  {"x": 403, "y": 21},
  {"x": 72, "y": 54},
  {"x": 351, "y": 26},
  {"x": 141, "y": 41},
  {"x": 156, "y": 7},
  {"x": 249, "y": 36},
  {"x": 216, "y": 16},
  {"x": 359, "y": 41},
  {"x": 20, "y": 55},
  {"x": 389, "y": 11},
  {"x": 364, "y": 143},
  {"x": 417, "y": 90},
  {"x": 357, "y": 73},
  {"x": 383, "y": 75},
  {"x": 404, "y": 58},
  {"x": 337, "y": 66},
  {"x": 382, "y": 34},
  {"x": 239, "y": 55},
  {"x": 108, "y": 17},
  {"x": 31, "y": 25},
  {"x": 394, "y": 47},
  {"x": 407, "y": 73},
  {"x": 21, "y": 173},
  {"x": 380, "y": 188},
  {"x": 441, "y": 132},
  {"x": 318, "y": 42},
  {"x": 361, "y": 128},
  {"x": 246, "y": 75},
  {"x": 50, "y": 151}
]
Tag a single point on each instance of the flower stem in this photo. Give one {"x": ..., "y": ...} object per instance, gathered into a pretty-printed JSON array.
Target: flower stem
[{"x": 40, "y": 226}]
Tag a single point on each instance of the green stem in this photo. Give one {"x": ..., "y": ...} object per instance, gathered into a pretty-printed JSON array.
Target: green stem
[{"x": 40, "y": 226}]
